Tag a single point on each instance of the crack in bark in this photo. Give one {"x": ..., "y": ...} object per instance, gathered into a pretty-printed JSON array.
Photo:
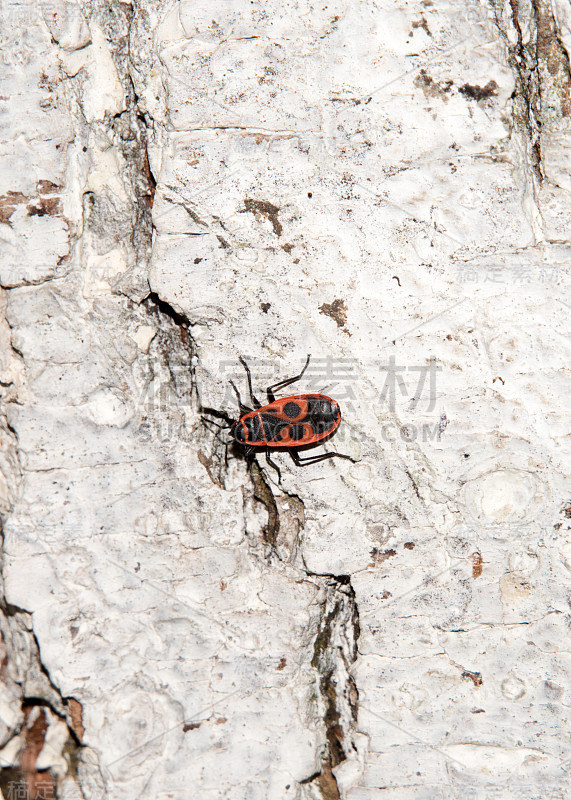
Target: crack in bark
[
  {"x": 154, "y": 304},
  {"x": 334, "y": 652},
  {"x": 263, "y": 494},
  {"x": 180, "y": 361},
  {"x": 553, "y": 61},
  {"x": 542, "y": 73},
  {"x": 526, "y": 110},
  {"x": 22, "y": 666}
]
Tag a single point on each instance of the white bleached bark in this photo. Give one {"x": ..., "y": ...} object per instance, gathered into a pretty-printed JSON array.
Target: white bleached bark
[{"x": 385, "y": 187}]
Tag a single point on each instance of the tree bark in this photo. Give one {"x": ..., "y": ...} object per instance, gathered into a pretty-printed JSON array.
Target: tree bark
[{"x": 386, "y": 189}]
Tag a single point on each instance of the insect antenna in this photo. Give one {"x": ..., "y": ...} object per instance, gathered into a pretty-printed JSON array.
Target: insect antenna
[
  {"x": 214, "y": 412},
  {"x": 220, "y": 426}
]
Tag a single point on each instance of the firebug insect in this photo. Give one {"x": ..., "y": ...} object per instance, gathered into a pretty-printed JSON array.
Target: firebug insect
[{"x": 289, "y": 424}]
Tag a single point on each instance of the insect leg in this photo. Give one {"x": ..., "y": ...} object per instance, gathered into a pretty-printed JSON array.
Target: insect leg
[
  {"x": 282, "y": 384},
  {"x": 302, "y": 462},
  {"x": 256, "y": 403},
  {"x": 243, "y": 409},
  {"x": 274, "y": 465},
  {"x": 219, "y": 427}
]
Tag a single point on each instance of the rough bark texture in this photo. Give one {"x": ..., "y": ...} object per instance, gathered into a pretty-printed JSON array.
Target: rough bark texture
[{"x": 386, "y": 188}]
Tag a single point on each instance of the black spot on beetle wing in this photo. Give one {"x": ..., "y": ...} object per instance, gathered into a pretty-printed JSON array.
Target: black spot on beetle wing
[
  {"x": 296, "y": 432},
  {"x": 291, "y": 410}
]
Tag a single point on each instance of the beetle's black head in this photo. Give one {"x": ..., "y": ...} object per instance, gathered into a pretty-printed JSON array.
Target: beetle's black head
[
  {"x": 327, "y": 410},
  {"x": 237, "y": 432}
]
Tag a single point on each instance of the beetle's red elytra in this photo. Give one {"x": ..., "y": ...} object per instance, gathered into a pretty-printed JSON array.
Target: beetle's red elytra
[{"x": 290, "y": 423}]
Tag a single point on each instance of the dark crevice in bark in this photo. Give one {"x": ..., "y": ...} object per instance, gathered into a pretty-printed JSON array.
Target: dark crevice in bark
[
  {"x": 171, "y": 399},
  {"x": 335, "y": 647},
  {"x": 173, "y": 331},
  {"x": 130, "y": 138},
  {"x": 175, "y": 346},
  {"x": 527, "y": 96},
  {"x": 22, "y": 778},
  {"x": 22, "y": 668},
  {"x": 334, "y": 653},
  {"x": 542, "y": 73},
  {"x": 154, "y": 304},
  {"x": 263, "y": 494},
  {"x": 286, "y": 516},
  {"x": 325, "y": 780},
  {"x": 553, "y": 61}
]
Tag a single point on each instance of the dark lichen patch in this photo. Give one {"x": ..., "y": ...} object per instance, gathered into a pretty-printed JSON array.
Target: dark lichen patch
[
  {"x": 431, "y": 88},
  {"x": 269, "y": 72},
  {"x": 378, "y": 556},
  {"x": 337, "y": 310},
  {"x": 262, "y": 208},
  {"x": 8, "y": 204},
  {"x": 553, "y": 59},
  {"x": 75, "y": 717},
  {"x": 475, "y": 92},
  {"x": 287, "y": 247},
  {"x": 46, "y": 206},
  {"x": 47, "y": 187},
  {"x": 477, "y": 565},
  {"x": 421, "y": 23},
  {"x": 475, "y": 677}
]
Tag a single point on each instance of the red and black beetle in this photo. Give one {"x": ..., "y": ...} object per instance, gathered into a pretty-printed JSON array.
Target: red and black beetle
[{"x": 290, "y": 423}]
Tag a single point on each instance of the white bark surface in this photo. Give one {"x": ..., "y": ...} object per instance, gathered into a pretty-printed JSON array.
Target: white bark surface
[{"x": 385, "y": 187}]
